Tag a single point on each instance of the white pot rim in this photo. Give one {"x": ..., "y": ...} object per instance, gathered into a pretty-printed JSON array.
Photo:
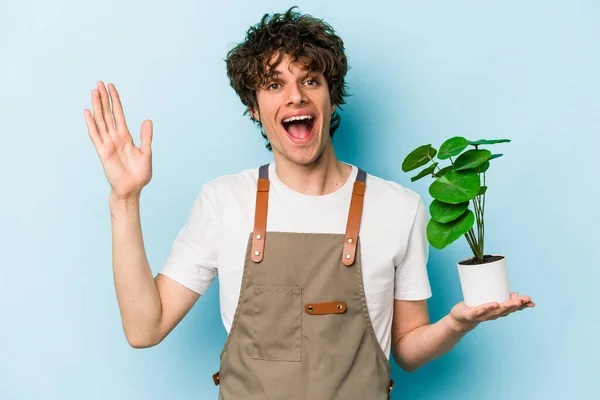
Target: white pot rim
[{"x": 478, "y": 265}]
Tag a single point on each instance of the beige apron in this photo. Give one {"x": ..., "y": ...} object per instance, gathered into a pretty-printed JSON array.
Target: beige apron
[{"x": 301, "y": 329}]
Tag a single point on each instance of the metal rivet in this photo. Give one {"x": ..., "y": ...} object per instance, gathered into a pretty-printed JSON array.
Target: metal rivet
[
  {"x": 309, "y": 308},
  {"x": 257, "y": 253},
  {"x": 350, "y": 240},
  {"x": 339, "y": 306},
  {"x": 258, "y": 237},
  {"x": 348, "y": 256}
]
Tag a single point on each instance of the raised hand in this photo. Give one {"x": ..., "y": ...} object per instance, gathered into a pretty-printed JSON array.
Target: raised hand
[
  {"x": 466, "y": 318},
  {"x": 127, "y": 167}
]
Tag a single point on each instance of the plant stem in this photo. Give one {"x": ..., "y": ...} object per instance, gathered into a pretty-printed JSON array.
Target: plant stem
[
  {"x": 477, "y": 242},
  {"x": 469, "y": 236},
  {"x": 482, "y": 219},
  {"x": 474, "y": 243},
  {"x": 476, "y": 208}
]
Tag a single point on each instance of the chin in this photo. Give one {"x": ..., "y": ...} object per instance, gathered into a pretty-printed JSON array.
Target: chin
[{"x": 305, "y": 155}]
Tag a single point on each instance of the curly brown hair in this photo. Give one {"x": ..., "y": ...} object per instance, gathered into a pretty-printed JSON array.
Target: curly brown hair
[{"x": 305, "y": 39}]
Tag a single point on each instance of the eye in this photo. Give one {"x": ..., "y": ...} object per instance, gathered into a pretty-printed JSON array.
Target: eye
[
  {"x": 312, "y": 81},
  {"x": 273, "y": 86}
]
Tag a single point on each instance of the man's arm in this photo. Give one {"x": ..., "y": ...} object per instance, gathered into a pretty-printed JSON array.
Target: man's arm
[
  {"x": 150, "y": 307},
  {"x": 415, "y": 341}
]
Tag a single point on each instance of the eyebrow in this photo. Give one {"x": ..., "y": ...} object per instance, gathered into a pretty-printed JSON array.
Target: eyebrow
[{"x": 274, "y": 74}]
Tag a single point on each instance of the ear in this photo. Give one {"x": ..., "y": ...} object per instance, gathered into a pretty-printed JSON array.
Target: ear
[
  {"x": 255, "y": 115},
  {"x": 333, "y": 108}
]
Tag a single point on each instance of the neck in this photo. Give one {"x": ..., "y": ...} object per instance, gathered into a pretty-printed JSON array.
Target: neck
[{"x": 326, "y": 175}]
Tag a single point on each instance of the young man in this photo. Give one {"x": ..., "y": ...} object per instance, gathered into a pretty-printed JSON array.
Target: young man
[{"x": 322, "y": 267}]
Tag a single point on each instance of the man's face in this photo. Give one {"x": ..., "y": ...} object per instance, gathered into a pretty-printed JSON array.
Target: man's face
[{"x": 303, "y": 97}]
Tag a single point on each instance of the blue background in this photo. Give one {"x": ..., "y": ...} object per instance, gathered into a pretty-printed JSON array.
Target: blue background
[{"x": 421, "y": 72}]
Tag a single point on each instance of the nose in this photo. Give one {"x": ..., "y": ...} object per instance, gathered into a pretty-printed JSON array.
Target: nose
[{"x": 295, "y": 94}]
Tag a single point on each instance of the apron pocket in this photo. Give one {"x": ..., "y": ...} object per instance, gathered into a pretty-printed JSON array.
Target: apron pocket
[{"x": 277, "y": 330}]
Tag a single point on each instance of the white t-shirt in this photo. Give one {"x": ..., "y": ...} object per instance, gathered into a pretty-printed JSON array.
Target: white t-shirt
[{"x": 393, "y": 238}]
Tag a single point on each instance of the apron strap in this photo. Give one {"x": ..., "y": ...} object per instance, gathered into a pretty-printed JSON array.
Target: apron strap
[
  {"x": 352, "y": 226},
  {"x": 260, "y": 214},
  {"x": 354, "y": 216}
]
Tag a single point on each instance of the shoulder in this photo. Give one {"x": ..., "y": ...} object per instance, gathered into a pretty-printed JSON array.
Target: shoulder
[
  {"x": 222, "y": 188},
  {"x": 391, "y": 196}
]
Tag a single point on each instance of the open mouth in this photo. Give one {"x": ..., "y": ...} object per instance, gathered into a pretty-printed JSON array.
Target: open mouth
[{"x": 300, "y": 128}]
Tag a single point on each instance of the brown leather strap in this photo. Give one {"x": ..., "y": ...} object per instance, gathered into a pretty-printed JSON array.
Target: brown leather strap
[
  {"x": 352, "y": 226},
  {"x": 330, "y": 307},
  {"x": 260, "y": 214},
  {"x": 354, "y": 216}
]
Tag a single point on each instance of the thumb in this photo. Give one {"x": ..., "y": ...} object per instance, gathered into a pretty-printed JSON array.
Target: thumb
[{"x": 146, "y": 137}]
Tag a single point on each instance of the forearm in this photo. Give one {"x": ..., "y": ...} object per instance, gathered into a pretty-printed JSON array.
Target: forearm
[
  {"x": 426, "y": 343},
  {"x": 137, "y": 294}
]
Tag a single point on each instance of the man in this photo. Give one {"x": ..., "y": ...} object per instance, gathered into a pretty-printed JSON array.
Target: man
[{"x": 321, "y": 266}]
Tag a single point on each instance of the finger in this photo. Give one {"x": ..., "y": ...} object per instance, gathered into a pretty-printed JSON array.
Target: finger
[
  {"x": 515, "y": 295},
  {"x": 525, "y": 303},
  {"x": 485, "y": 309},
  {"x": 491, "y": 315},
  {"x": 489, "y": 306},
  {"x": 518, "y": 307},
  {"x": 513, "y": 302},
  {"x": 525, "y": 299},
  {"x": 146, "y": 137},
  {"x": 92, "y": 130},
  {"x": 98, "y": 117},
  {"x": 502, "y": 310},
  {"x": 106, "y": 111},
  {"x": 118, "y": 113},
  {"x": 508, "y": 311}
]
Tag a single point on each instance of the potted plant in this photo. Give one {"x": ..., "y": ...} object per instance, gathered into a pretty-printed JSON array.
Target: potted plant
[{"x": 483, "y": 277}]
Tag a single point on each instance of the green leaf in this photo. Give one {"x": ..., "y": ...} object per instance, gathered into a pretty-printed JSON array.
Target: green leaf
[
  {"x": 427, "y": 171},
  {"x": 452, "y": 147},
  {"x": 482, "y": 190},
  {"x": 418, "y": 157},
  {"x": 441, "y": 235},
  {"x": 444, "y": 171},
  {"x": 495, "y": 156},
  {"x": 455, "y": 187},
  {"x": 445, "y": 212},
  {"x": 471, "y": 159},
  {"x": 483, "y": 167},
  {"x": 485, "y": 141}
]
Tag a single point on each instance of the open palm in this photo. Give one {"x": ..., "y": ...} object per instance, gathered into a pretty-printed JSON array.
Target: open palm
[
  {"x": 127, "y": 167},
  {"x": 469, "y": 317}
]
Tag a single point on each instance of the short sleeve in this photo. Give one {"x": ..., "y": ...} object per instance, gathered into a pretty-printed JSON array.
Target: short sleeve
[
  {"x": 193, "y": 258},
  {"x": 411, "y": 279}
]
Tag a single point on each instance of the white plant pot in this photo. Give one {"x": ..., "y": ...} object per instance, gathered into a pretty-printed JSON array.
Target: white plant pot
[{"x": 484, "y": 283}]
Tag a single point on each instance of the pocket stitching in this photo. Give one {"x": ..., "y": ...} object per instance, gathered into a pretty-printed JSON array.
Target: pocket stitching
[{"x": 296, "y": 345}]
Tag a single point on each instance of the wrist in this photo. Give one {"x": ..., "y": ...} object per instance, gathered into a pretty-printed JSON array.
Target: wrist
[{"x": 127, "y": 201}]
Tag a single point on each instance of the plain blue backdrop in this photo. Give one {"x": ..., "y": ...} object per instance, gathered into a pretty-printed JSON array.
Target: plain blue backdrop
[{"x": 421, "y": 72}]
